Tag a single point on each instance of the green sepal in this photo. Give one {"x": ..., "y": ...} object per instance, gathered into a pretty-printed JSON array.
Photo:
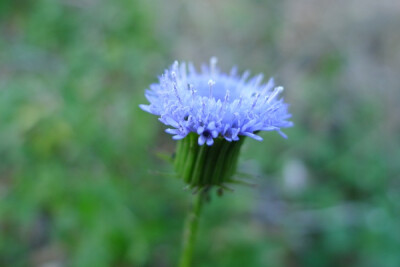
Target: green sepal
[{"x": 206, "y": 166}]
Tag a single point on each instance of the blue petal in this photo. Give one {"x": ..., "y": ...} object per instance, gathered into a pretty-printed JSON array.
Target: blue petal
[
  {"x": 282, "y": 134},
  {"x": 172, "y": 131},
  {"x": 145, "y": 108},
  {"x": 210, "y": 141},
  {"x": 178, "y": 137},
  {"x": 201, "y": 140},
  {"x": 211, "y": 126},
  {"x": 200, "y": 130},
  {"x": 269, "y": 128},
  {"x": 256, "y": 137},
  {"x": 169, "y": 121}
]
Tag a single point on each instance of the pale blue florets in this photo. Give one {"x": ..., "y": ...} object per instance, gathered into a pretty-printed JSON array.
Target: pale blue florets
[{"x": 214, "y": 104}]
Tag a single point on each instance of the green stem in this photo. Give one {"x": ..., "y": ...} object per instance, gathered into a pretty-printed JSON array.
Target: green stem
[{"x": 189, "y": 234}]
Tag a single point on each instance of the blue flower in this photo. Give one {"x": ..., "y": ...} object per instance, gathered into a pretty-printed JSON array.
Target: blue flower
[{"x": 215, "y": 104}]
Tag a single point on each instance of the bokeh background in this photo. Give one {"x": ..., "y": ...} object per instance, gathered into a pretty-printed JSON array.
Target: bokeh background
[{"x": 82, "y": 180}]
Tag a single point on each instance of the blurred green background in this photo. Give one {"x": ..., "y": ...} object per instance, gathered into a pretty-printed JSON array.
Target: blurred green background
[{"x": 80, "y": 180}]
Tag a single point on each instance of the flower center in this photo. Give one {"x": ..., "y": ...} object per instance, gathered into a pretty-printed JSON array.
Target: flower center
[
  {"x": 218, "y": 89},
  {"x": 206, "y": 133}
]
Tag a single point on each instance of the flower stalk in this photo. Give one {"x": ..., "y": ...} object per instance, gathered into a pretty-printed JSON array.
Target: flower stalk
[
  {"x": 202, "y": 167},
  {"x": 190, "y": 230}
]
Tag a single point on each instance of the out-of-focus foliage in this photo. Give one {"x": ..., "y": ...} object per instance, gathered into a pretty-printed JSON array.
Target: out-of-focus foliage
[{"x": 80, "y": 180}]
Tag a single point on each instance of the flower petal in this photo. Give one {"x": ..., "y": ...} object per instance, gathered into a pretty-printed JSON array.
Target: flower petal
[
  {"x": 200, "y": 130},
  {"x": 256, "y": 137},
  {"x": 210, "y": 141},
  {"x": 201, "y": 140}
]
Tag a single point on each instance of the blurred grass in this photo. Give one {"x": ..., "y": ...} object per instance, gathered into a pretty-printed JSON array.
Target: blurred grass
[{"x": 80, "y": 181}]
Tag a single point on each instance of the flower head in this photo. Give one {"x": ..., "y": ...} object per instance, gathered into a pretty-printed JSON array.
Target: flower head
[{"x": 215, "y": 104}]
